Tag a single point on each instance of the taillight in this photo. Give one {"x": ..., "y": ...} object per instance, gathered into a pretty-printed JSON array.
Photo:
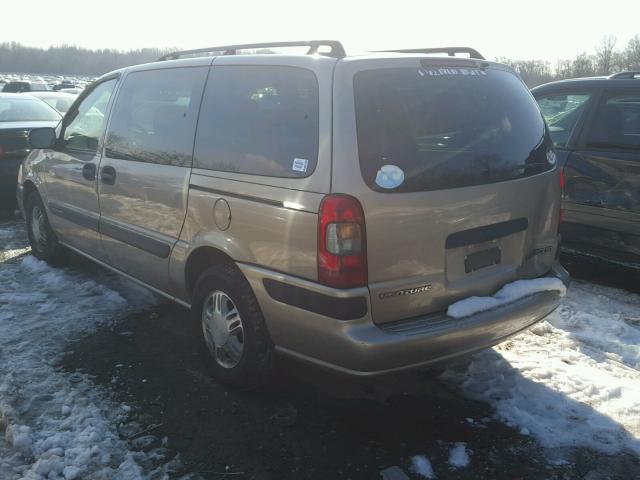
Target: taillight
[{"x": 342, "y": 245}]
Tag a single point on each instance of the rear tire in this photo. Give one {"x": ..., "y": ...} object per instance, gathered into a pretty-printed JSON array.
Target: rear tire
[
  {"x": 43, "y": 240},
  {"x": 230, "y": 328}
]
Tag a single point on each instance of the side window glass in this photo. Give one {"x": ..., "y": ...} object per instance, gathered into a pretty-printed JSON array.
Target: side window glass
[
  {"x": 260, "y": 121},
  {"x": 83, "y": 132},
  {"x": 154, "y": 117},
  {"x": 562, "y": 112},
  {"x": 617, "y": 122}
]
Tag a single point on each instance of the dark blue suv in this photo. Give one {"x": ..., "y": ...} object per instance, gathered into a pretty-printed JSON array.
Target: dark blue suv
[{"x": 595, "y": 126}]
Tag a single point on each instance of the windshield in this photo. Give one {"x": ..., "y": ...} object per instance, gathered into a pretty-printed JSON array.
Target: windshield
[
  {"x": 436, "y": 128},
  {"x": 25, "y": 110}
]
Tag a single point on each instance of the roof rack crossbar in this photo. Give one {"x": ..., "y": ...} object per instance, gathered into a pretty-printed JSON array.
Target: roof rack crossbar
[
  {"x": 337, "y": 50},
  {"x": 451, "y": 51},
  {"x": 629, "y": 74}
]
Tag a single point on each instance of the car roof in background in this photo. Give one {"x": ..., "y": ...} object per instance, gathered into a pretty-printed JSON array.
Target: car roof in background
[
  {"x": 23, "y": 96},
  {"x": 52, "y": 94},
  {"x": 612, "y": 81}
]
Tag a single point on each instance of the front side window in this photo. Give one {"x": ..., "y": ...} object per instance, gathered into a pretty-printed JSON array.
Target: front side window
[
  {"x": 562, "y": 112},
  {"x": 154, "y": 117},
  {"x": 617, "y": 122},
  {"x": 260, "y": 121},
  {"x": 87, "y": 121},
  {"x": 422, "y": 129}
]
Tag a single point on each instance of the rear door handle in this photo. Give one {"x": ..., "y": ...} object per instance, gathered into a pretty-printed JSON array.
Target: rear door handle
[
  {"x": 89, "y": 171},
  {"x": 108, "y": 175}
]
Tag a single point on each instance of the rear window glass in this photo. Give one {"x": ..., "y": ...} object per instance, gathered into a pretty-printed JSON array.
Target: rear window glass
[
  {"x": 437, "y": 128},
  {"x": 26, "y": 109},
  {"x": 562, "y": 112},
  {"x": 260, "y": 121},
  {"x": 617, "y": 123}
]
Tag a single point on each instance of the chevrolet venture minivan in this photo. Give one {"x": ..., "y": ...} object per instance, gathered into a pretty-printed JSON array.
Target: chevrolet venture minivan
[{"x": 322, "y": 206}]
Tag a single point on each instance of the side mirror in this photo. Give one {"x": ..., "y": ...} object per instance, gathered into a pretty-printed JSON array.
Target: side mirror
[{"x": 44, "y": 137}]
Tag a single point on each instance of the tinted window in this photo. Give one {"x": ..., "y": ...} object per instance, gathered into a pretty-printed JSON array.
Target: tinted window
[
  {"x": 38, "y": 87},
  {"x": 16, "y": 87},
  {"x": 154, "y": 117},
  {"x": 259, "y": 120},
  {"x": 617, "y": 122},
  {"x": 562, "y": 111},
  {"x": 436, "y": 128},
  {"x": 26, "y": 109},
  {"x": 87, "y": 121}
]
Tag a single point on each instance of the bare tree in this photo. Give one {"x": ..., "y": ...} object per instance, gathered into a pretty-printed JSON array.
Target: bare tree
[
  {"x": 605, "y": 55},
  {"x": 532, "y": 72},
  {"x": 632, "y": 54},
  {"x": 583, "y": 66},
  {"x": 564, "y": 69}
]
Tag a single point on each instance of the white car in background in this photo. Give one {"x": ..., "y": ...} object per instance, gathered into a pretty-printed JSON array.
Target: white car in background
[{"x": 61, "y": 101}]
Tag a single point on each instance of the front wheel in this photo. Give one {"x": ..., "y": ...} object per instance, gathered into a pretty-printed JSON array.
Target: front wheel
[
  {"x": 44, "y": 243},
  {"x": 231, "y": 329}
]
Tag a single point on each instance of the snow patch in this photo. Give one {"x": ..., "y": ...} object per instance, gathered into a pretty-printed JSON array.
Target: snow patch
[
  {"x": 507, "y": 294},
  {"x": 422, "y": 466},
  {"x": 458, "y": 456},
  {"x": 57, "y": 424},
  {"x": 572, "y": 380}
]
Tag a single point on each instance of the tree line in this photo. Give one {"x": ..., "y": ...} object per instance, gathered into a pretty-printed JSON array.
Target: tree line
[
  {"x": 69, "y": 59},
  {"x": 606, "y": 59}
]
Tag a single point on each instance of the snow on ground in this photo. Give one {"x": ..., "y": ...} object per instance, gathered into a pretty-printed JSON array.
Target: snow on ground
[
  {"x": 458, "y": 455},
  {"x": 57, "y": 424},
  {"x": 572, "y": 380},
  {"x": 421, "y": 466}
]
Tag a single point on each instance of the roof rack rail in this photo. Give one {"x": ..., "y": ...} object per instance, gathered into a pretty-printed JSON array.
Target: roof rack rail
[
  {"x": 629, "y": 74},
  {"x": 337, "y": 50},
  {"x": 451, "y": 51}
]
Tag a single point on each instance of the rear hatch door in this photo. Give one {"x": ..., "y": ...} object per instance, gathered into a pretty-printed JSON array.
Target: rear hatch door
[{"x": 455, "y": 171}]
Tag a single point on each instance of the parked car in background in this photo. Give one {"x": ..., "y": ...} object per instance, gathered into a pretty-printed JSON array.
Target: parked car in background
[
  {"x": 327, "y": 207},
  {"x": 72, "y": 91},
  {"x": 595, "y": 125},
  {"x": 61, "y": 101},
  {"x": 19, "y": 113},
  {"x": 63, "y": 84},
  {"x": 24, "y": 86}
]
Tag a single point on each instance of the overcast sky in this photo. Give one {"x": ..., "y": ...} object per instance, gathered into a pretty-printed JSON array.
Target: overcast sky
[{"x": 542, "y": 29}]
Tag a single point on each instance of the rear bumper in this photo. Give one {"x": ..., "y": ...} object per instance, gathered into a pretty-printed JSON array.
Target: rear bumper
[{"x": 361, "y": 348}]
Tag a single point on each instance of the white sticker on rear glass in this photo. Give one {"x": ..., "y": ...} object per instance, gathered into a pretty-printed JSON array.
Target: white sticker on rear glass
[
  {"x": 444, "y": 72},
  {"x": 300, "y": 165},
  {"x": 389, "y": 176}
]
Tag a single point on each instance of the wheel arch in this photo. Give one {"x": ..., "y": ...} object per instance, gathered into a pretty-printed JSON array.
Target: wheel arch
[
  {"x": 28, "y": 186},
  {"x": 199, "y": 260}
]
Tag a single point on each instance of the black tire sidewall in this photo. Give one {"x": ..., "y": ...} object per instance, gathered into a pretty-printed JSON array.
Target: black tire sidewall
[
  {"x": 256, "y": 362},
  {"x": 51, "y": 250}
]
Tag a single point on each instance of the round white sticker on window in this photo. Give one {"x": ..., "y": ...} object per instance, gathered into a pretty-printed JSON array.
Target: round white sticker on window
[{"x": 389, "y": 176}]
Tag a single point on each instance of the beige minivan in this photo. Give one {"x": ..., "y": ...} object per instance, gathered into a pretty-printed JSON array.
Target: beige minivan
[{"x": 322, "y": 206}]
